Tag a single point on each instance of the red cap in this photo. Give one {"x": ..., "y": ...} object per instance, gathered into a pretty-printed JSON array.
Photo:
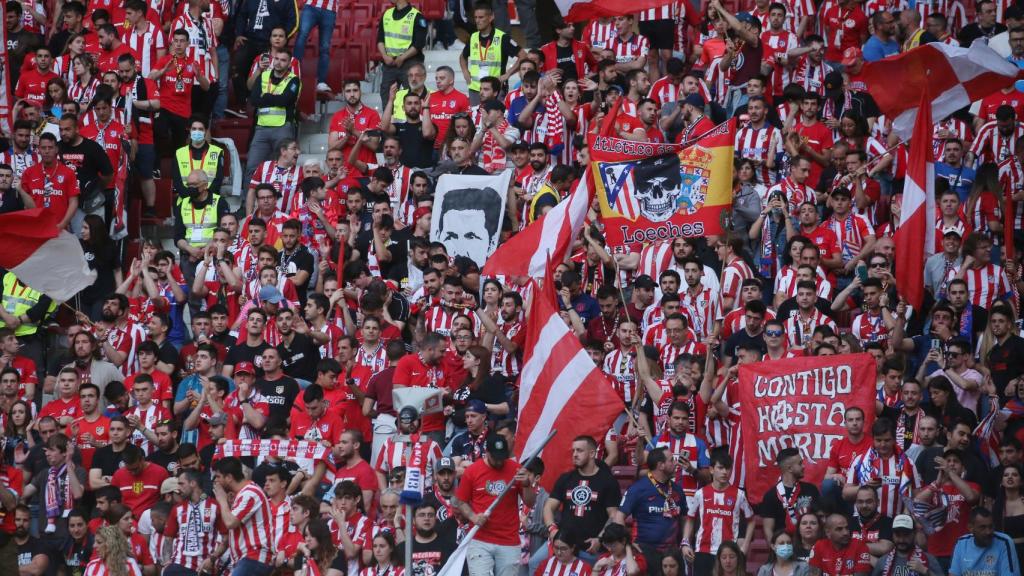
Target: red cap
[
  {"x": 850, "y": 56},
  {"x": 245, "y": 368}
]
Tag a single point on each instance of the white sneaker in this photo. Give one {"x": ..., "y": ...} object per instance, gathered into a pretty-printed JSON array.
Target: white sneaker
[{"x": 323, "y": 87}]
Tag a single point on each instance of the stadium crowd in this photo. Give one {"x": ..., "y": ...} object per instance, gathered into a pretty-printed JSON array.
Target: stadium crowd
[{"x": 295, "y": 310}]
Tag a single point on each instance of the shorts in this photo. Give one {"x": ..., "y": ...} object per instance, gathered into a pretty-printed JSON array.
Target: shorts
[
  {"x": 145, "y": 160},
  {"x": 661, "y": 34}
]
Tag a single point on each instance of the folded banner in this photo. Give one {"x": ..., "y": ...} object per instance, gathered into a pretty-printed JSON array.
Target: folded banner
[
  {"x": 302, "y": 452},
  {"x": 800, "y": 403},
  {"x": 651, "y": 191},
  {"x": 424, "y": 400}
]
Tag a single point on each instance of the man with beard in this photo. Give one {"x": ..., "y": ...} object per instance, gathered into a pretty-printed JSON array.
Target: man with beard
[
  {"x": 430, "y": 550},
  {"x": 416, "y": 133},
  {"x": 906, "y": 557},
  {"x": 350, "y": 465},
  {"x": 298, "y": 347},
  {"x": 984, "y": 551},
  {"x": 297, "y": 262},
  {"x": 869, "y": 526},
  {"x": 424, "y": 370},
  {"x": 251, "y": 350},
  {"x": 583, "y": 499},
  {"x": 449, "y": 520},
  {"x": 32, "y": 556},
  {"x": 996, "y": 140},
  {"x": 350, "y": 123},
  {"x": 506, "y": 337},
  {"x": 90, "y": 430},
  {"x": 397, "y": 451},
  {"x": 21, "y": 154},
  {"x": 784, "y": 503},
  {"x": 166, "y": 453},
  {"x": 838, "y": 549},
  {"x": 52, "y": 184},
  {"x": 279, "y": 389}
]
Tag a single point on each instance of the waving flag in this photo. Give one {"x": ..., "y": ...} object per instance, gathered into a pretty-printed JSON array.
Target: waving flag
[
  {"x": 953, "y": 75},
  {"x": 579, "y": 10},
  {"x": 42, "y": 258},
  {"x": 559, "y": 383},
  {"x": 527, "y": 253},
  {"x": 917, "y": 218}
]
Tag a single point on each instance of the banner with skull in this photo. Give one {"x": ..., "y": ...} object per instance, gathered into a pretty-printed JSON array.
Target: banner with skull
[{"x": 650, "y": 191}]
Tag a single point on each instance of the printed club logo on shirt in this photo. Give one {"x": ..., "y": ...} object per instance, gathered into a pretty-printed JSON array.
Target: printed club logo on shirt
[
  {"x": 496, "y": 487},
  {"x": 137, "y": 487}
]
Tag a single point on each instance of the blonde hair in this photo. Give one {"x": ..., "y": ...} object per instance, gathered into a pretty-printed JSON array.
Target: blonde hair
[{"x": 116, "y": 558}]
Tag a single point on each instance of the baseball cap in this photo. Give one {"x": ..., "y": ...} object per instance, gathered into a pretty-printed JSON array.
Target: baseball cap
[
  {"x": 497, "y": 446},
  {"x": 840, "y": 191},
  {"x": 245, "y": 368},
  {"x": 644, "y": 281},
  {"x": 902, "y": 522},
  {"x": 270, "y": 294},
  {"x": 746, "y": 17},
  {"x": 169, "y": 486},
  {"x": 951, "y": 230},
  {"x": 695, "y": 100},
  {"x": 476, "y": 406},
  {"x": 444, "y": 464},
  {"x": 833, "y": 81},
  {"x": 850, "y": 56}
]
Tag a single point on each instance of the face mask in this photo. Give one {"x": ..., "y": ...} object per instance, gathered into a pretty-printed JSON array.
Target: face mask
[
  {"x": 198, "y": 136},
  {"x": 784, "y": 551}
]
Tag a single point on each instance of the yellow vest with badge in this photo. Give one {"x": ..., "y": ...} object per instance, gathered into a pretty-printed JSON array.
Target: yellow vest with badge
[
  {"x": 208, "y": 163},
  {"x": 199, "y": 224},
  {"x": 484, "y": 62},
  {"x": 398, "y": 33},
  {"x": 398, "y": 108},
  {"x": 545, "y": 190},
  {"x": 18, "y": 299},
  {"x": 274, "y": 116}
]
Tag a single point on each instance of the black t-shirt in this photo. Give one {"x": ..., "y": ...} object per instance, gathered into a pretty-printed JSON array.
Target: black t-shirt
[
  {"x": 585, "y": 501},
  {"x": 166, "y": 461},
  {"x": 741, "y": 337},
  {"x": 879, "y": 529},
  {"x": 10, "y": 201},
  {"x": 302, "y": 259},
  {"x": 260, "y": 473},
  {"x": 89, "y": 161},
  {"x": 77, "y": 554},
  {"x": 168, "y": 354},
  {"x": 107, "y": 460},
  {"x": 280, "y": 394},
  {"x": 1006, "y": 361},
  {"x": 566, "y": 62},
  {"x": 417, "y": 151},
  {"x": 300, "y": 359},
  {"x": 490, "y": 391},
  {"x": 242, "y": 352},
  {"x": 429, "y": 557},
  {"x": 447, "y": 526},
  {"x": 29, "y": 550},
  {"x": 771, "y": 506}
]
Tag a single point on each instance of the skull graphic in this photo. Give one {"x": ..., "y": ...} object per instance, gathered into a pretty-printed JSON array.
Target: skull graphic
[{"x": 657, "y": 187}]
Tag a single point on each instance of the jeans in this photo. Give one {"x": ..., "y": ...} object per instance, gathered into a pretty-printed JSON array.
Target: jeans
[
  {"x": 264, "y": 140},
  {"x": 527, "y": 10},
  {"x": 486, "y": 559},
  {"x": 223, "y": 75},
  {"x": 178, "y": 570},
  {"x": 250, "y": 567},
  {"x": 323, "y": 19}
]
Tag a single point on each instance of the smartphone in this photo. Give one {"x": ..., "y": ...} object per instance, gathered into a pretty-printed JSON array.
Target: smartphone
[
  {"x": 936, "y": 343},
  {"x": 862, "y": 273}
]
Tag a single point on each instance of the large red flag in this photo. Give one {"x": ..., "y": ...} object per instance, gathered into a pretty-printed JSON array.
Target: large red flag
[
  {"x": 42, "y": 257},
  {"x": 917, "y": 213},
  {"x": 579, "y": 10},
  {"x": 559, "y": 388}
]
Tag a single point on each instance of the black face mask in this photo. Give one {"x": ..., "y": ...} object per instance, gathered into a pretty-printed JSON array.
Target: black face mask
[{"x": 192, "y": 190}]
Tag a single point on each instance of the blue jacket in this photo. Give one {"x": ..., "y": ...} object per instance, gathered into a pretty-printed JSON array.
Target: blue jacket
[{"x": 256, "y": 24}]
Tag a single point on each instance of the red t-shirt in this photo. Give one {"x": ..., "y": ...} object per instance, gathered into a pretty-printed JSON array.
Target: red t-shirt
[
  {"x": 139, "y": 492},
  {"x": 411, "y": 371},
  {"x": 51, "y": 188},
  {"x": 32, "y": 85},
  {"x": 98, "y": 429},
  {"x": 176, "y": 84},
  {"x": 107, "y": 59},
  {"x": 942, "y": 542},
  {"x": 59, "y": 408},
  {"x": 845, "y": 452},
  {"x": 328, "y": 427},
  {"x": 364, "y": 119},
  {"x": 854, "y": 559},
  {"x": 362, "y": 474},
  {"x": 162, "y": 388},
  {"x": 850, "y": 24},
  {"x": 14, "y": 479},
  {"x": 825, "y": 239},
  {"x": 989, "y": 104},
  {"x": 819, "y": 139},
  {"x": 479, "y": 486},
  {"x": 442, "y": 108},
  {"x": 26, "y": 368}
]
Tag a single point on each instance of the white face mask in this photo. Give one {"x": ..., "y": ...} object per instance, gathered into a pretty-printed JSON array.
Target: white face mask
[
  {"x": 784, "y": 551},
  {"x": 198, "y": 136}
]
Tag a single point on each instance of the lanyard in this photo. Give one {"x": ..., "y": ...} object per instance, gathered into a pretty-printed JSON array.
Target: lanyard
[{"x": 202, "y": 161}]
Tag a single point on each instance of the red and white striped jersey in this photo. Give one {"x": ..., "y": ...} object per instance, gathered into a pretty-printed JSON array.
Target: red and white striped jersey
[
  {"x": 869, "y": 327},
  {"x": 991, "y": 146},
  {"x": 329, "y": 5},
  {"x": 669, "y": 352},
  {"x": 395, "y": 453},
  {"x": 811, "y": 76},
  {"x": 334, "y": 335},
  {"x": 733, "y": 275},
  {"x": 719, "y": 79},
  {"x": 800, "y": 329},
  {"x": 785, "y": 283},
  {"x": 280, "y": 515},
  {"x": 621, "y": 367},
  {"x": 776, "y": 46},
  {"x": 126, "y": 338},
  {"x": 198, "y": 528},
  {"x": 156, "y": 412},
  {"x": 736, "y": 320},
  {"x": 795, "y": 194},
  {"x": 655, "y": 258},
  {"x": 97, "y": 567},
  {"x": 552, "y": 567},
  {"x": 655, "y": 335},
  {"x": 285, "y": 181},
  {"x": 868, "y": 466},
  {"x": 19, "y": 161},
  {"x": 202, "y": 42},
  {"x": 358, "y": 528},
  {"x": 850, "y": 232},
  {"x": 702, "y": 309},
  {"x": 245, "y": 257},
  {"x": 145, "y": 45},
  {"x": 663, "y": 91},
  {"x": 719, "y": 513},
  {"x": 665, "y": 12},
  {"x": 254, "y": 538},
  {"x": 629, "y": 49},
  {"x": 438, "y": 319},
  {"x": 797, "y": 10},
  {"x": 502, "y": 361},
  {"x": 83, "y": 93},
  {"x": 160, "y": 548},
  {"x": 760, "y": 144},
  {"x": 987, "y": 284},
  {"x": 1011, "y": 177},
  {"x": 958, "y": 128},
  {"x": 982, "y": 210},
  {"x": 63, "y": 67},
  {"x": 598, "y": 34},
  {"x": 375, "y": 359}
]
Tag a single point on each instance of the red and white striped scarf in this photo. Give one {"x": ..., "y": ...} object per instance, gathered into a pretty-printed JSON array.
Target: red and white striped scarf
[
  {"x": 284, "y": 449},
  {"x": 548, "y": 128}
]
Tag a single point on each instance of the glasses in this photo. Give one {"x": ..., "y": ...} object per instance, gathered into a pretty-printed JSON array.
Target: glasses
[
  {"x": 773, "y": 333},
  {"x": 879, "y": 265}
]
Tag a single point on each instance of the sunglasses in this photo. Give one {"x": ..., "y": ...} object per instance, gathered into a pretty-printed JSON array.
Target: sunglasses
[
  {"x": 773, "y": 333},
  {"x": 879, "y": 265}
]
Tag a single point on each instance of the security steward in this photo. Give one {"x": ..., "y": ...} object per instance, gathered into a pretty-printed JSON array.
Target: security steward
[
  {"x": 275, "y": 97},
  {"x": 551, "y": 192},
  {"x": 199, "y": 154},
  {"x": 487, "y": 53},
  {"x": 23, "y": 309},
  {"x": 196, "y": 215},
  {"x": 401, "y": 37}
]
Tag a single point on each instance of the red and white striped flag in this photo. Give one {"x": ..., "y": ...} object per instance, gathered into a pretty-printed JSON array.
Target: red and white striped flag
[
  {"x": 579, "y": 10},
  {"x": 917, "y": 212},
  {"x": 954, "y": 75},
  {"x": 527, "y": 253},
  {"x": 559, "y": 387},
  {"x": 43, "y": 259}
]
